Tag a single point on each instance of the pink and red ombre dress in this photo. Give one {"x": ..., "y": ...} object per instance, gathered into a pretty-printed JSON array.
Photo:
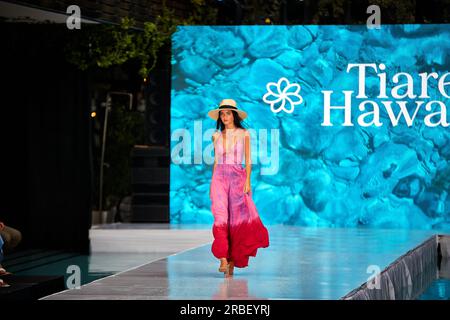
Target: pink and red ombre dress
[{"x": 238, "y": 230}]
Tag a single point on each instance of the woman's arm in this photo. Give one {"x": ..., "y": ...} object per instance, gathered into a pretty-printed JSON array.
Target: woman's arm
[
  {"x": 215, "y": 161},
  {"x": 214, "y": 136},
  {"x": 248, "y": 161}
]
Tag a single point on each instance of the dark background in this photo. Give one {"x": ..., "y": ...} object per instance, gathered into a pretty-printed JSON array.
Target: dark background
[{"x": 45, "y": 121}]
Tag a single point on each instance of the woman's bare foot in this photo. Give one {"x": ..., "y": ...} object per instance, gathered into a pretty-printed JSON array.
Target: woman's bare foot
[
  {"x": 223, "y": 265},
  {"x": 230, "y": 272}
]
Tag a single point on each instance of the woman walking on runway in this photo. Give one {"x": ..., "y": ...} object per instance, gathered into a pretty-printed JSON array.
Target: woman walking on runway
[{"x": 238, "y": 230}]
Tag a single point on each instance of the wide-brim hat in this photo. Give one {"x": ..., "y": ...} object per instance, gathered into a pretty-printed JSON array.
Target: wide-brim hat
[{"x": 227, "y": 104}]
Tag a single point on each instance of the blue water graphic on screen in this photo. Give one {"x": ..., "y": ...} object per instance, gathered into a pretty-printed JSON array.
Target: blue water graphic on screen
[{"x": 349, "y": 126}]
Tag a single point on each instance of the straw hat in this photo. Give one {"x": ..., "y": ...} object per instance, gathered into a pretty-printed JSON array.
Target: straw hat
[{"x": 227, "y": 104}]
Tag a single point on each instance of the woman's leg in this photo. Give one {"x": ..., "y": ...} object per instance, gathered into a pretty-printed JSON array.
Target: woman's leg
[
  {"x": 247, "y": 233},
  {"x": 219, "y": 208}
]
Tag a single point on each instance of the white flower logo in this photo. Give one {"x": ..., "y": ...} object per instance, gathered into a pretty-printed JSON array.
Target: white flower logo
[{"x": 278, "y": 93}]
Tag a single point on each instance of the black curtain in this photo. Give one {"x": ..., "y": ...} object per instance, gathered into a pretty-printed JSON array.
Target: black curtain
[{"x": 47, "y": 170}]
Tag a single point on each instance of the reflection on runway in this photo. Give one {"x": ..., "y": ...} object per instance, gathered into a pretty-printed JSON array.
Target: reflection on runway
[{"x": 233, "y": 289}]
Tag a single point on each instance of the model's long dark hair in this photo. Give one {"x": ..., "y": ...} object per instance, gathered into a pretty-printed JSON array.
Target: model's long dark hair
[{"x": 236, "y": 119}]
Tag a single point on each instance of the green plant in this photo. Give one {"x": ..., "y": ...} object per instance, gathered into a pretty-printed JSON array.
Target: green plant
[
  {"x": 201, "y": 14},
  {"x": 105, "y": 46}
]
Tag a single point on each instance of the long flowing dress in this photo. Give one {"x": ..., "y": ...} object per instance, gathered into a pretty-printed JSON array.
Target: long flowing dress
[{"x": 238, "y": 230}]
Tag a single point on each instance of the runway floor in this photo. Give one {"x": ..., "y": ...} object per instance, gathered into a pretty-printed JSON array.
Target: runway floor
[{"x": 300, "y": 263}]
